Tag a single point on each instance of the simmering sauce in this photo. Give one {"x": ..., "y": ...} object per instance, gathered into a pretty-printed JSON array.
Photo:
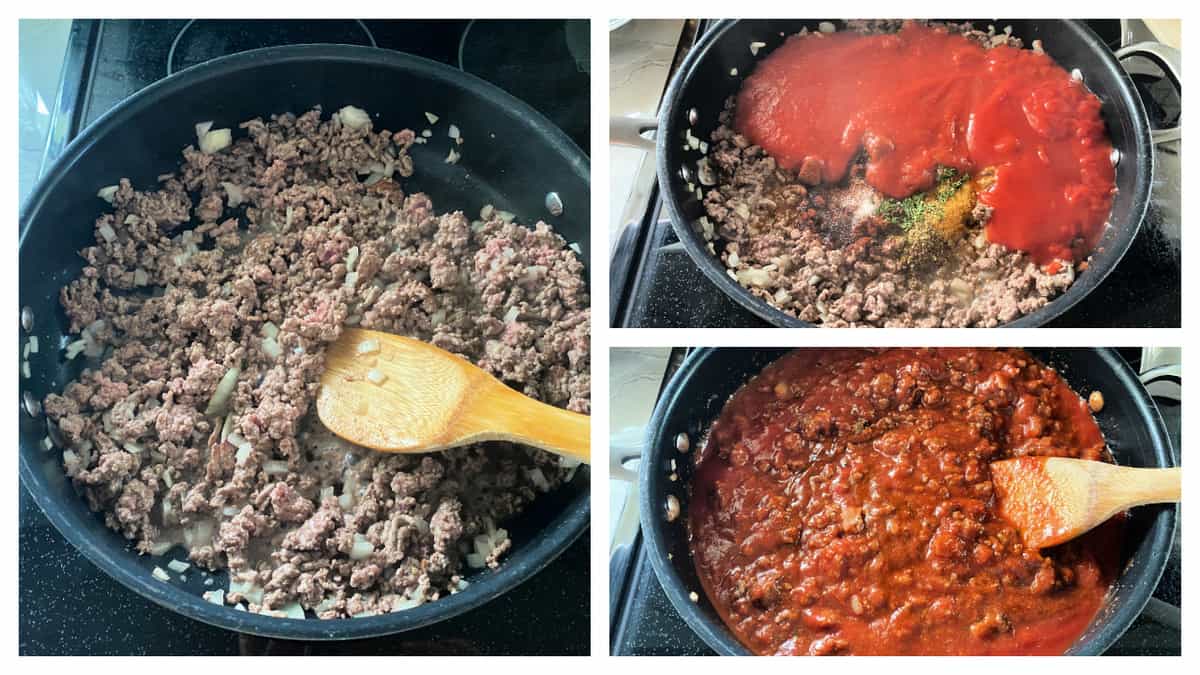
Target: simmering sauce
[
  {"x": 843, "y": 504},
  {"x": 923, "y": 98}
]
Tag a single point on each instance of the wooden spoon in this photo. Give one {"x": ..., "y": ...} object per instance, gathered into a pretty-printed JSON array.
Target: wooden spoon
[
  {"x": 397, "y": 394},
  {"x": 1054, "y": 499}
]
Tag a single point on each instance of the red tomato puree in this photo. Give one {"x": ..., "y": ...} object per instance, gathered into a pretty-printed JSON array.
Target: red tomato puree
[
  {"x": 843, "y": 504},
  {"x": 924, "y": 97}
]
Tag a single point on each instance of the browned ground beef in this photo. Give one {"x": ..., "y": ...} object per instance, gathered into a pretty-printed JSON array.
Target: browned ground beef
[
  {"x": 820, "y": 253},
  {"x": 280, "y": 231}
]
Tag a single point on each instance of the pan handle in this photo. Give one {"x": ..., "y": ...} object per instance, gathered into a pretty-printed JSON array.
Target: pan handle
[
  {"x": 1171, "y": 61},
  {"x": 629, "y": 131},
  {"x": 625, "y": 446}
]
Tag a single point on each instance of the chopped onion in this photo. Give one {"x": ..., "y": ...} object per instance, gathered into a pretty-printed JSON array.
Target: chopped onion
[
  {"x": 74, "y": 348},
  {"x": 477, "y": 561},
  {"x": 140, "y": 278},
  {"x": 47, "y": 443},
  {"x": 202, "y": 128},
  {"x": 270, "y": 330},
  {"x": 107, "y": 232},
  {"x": 346, "y": 501},
  {"x": 275, "y": 467},
  {"x": 376, "y": 376},
  {"x": 454, "y": 132},
  {"x": 216, "y": 597},
  {"x": 826, "y": 27},
  {"x": 252, "y": 592},
  {"x": 26, "y": 370},
  {"x": 220, "y": 397},
  {"x": 511, "y": 315},
  {"x": 271, "y": 348},
  {"x": 755, "y": 46},
  {"x": 234, "y": 193},
  {"x": 199, "y": 534},
  {"x": 178, "y": 566},
  {"x": 452, "y": 158},
  {"x": 107, "y": 193},
  {"x": 370, "y": 346},
  {"x": 352, "y": 258},
  {"x": 351, "y": 279},
  {"x": 293, "y": 610},
  {"x": 161, "y": 547},
  {"x": 506, "y": 216},
  {"x": 33, "y": 344},
  {"x": 325, "y": 605},
  {"x": 539, "y": 479},
  {"x": 427, "y": 133},
  {"x": 362, "y": 548},
  {"x": 134, "y": 448},
  {"x": 575, "y": 247},
  {"x": 483, "y": 545},
  {"x": 160, "y": 574},
  {"x": 354, "y": 118},
  {"x": 326, "y": 492},
  {"x": 431, "y": 117},
  {"x": 216, "y": 141}
]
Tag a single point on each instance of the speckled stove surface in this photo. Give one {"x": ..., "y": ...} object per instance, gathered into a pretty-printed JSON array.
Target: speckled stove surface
[
  {"x": 643, "y": 622},
  {"x": 67, "y": 605}
]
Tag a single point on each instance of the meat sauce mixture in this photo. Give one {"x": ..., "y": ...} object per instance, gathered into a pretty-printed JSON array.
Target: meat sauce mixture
[
  {"x": 842, "y": 504},
  {"x": 205, "y": 307},
  {"x": 908, "y": 174}
]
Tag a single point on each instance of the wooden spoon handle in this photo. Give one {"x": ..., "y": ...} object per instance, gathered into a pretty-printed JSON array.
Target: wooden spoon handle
[
  {"x": 525, "y": 420},
  {"x": 1129, "y": 487}
]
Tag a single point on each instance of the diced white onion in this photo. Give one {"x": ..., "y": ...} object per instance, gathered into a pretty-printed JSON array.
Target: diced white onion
[
  {"x": 178, "y": 566},
  {"x": 376, "y": 376},
  {"x": 477, "y": 561},
  {"x": 826, "y": 27},
  {"x": 354, "y": 118},
  {"x": 370, "y": 346},
  {"x": 275, "y": 467},
  {"x": 33, "y": 344},
  {"x": 160, "y": 574},
  {"x": 26, "y": 370},
  {"x": 161, "y": 547},
  {"x": 270, "y": 330},
  {"x": 539, "y": 479},
  {"x": 351, "y": 279},
  {"x": 427, "y": 133},
  {"x": 506, "y": 216},
  {"x": 431, "y": 117},
  {"x": 140, "y": 278},
  {"x": 271, "y": 348},
  {"x": 220, "y": 397},
  {"x": 134, "y": 448},
  {"x": 293, "y": 610},
  {"x": 575, "y": 247},
  {"x": 511, "y": 315},
  {"x": 215, "y": 141},
  {"x": 216, "y": 597},
  {"x": 202, "y": 128},
  {"x": 452, "y": 158},
  {"x": 74, "y": 348},
  {"x": 755, "y": 46},
  {"x": 352, "y": 258},
  {"x": 107, "y": 232},
  {"x": 361, "y": 549},
  {"x": 250, "y": 591},
  {"x": 107, "y": 193},
  {"x": 453, "y": 132},
  {"x": 47, "y": 443},
  {"x": 234, "y": 193}
]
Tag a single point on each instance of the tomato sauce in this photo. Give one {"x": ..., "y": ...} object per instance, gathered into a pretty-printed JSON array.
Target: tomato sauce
[
  {"x": 923, "y": 98},
  {"x": 842, "y": 504}
]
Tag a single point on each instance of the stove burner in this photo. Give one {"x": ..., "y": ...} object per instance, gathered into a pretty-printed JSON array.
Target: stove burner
[{"x": 202, "y": 40}]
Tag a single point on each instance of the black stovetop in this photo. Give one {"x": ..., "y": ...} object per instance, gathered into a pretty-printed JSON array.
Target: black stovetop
[
  {"x": 68, "y": 606},
  {"x": 642, "y": 621},
  {"x": 654, "y": 284}
]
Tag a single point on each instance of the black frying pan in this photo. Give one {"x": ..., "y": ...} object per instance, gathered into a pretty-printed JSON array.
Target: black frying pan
[
  {"x": 512, "y": 158},
  {"x": 699, "y": 389},
  {"x": 703, "y": 83}
]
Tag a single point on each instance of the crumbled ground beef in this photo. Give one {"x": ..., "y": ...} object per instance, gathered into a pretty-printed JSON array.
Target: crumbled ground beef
[
  {"x": 818, "y": 252},
  {"x": 251, "y": 260}
]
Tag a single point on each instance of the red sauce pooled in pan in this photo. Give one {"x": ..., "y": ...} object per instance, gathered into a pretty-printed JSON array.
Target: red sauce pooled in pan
[{"x": 923, "y": 97}]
